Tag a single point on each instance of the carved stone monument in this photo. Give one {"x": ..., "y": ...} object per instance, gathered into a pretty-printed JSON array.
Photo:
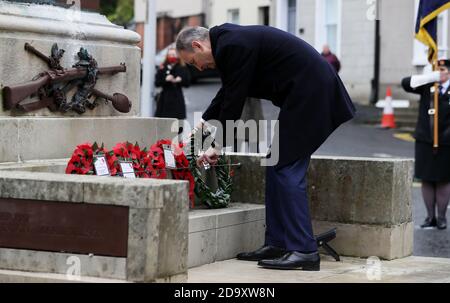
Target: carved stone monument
[{"x": 57, "y": 62}]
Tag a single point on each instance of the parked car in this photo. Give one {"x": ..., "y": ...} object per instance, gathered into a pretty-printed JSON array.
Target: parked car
[{"x": 195, "y": 73}]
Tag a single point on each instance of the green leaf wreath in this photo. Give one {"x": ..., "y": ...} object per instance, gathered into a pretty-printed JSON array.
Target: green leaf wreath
[{"x": 220, "y": 198}]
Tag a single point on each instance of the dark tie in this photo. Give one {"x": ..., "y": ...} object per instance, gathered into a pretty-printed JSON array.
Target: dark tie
[{"x": 440, "y": 89}]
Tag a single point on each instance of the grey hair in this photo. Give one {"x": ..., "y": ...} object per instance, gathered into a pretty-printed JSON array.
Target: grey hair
[{"x": 190, "y": 34}]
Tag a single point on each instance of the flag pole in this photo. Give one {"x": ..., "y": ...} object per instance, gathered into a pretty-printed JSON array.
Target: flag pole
[{"x": 436, "y": 108}]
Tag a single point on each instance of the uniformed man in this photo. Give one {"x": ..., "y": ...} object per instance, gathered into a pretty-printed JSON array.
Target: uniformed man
[
  {"x": 267, "y": 63},
  {"x": 432, "y": 167}
]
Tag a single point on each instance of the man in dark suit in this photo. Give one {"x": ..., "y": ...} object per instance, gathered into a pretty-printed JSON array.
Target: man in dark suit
[{"x": 267, "y": 63}]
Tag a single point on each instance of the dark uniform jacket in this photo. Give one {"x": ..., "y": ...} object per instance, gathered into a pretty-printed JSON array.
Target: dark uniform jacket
[
  {"x": 170, "y": 102},
  {"x": 267, "y": 63},
  {"x": 424, "y": 130}
]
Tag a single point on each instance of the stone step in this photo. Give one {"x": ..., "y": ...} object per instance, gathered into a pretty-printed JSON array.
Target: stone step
[
  {"x": 220, "y": 234},
  {"x": 15, "y": 276}
]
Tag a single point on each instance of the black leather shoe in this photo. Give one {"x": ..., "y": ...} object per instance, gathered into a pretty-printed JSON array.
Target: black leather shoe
[
  {"x": 441, "y": 223},
  {"x": 429, "y": 223},
  {"x": 265, "y": 252},
  {"x": 294, "y": 260}
]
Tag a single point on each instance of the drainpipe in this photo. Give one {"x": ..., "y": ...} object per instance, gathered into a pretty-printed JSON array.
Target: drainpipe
[
  {"x": 376, "y": 68},
  {"x": 148, "y": 60}
]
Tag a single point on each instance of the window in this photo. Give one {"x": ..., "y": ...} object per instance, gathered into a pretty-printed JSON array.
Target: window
[
  {"x": 331, "y": 23},
  {"x": 328, "y": 25},
  {"x": 292, "y": 12},
  {"x": 286, "y": 15},
  {"x": 264, "y": 17},
  {"x": 443, "y": 35},
  {"x": 233, "y": 16}
]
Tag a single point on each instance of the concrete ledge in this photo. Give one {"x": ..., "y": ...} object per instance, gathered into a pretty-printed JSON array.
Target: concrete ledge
[
  {"x": 361, "y": 190},
  {"x": 216, "y": 235},
  {"x": 39, "y": 261},
  {"x": 158, "y": 223},
  {"x": 56, "y": 138},
  {"x": 357, "y": 240},
  {"x": 14, "y": 276},
  {"x": 57, "y": 166},
  {"x": 136, "y": 193},
  {"x": 368, "y": 199}
]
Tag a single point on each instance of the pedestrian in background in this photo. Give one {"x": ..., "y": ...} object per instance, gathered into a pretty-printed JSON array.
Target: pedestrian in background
[
  {"x": 433, "y": 169},
  {"x": 171, "y": 76},
  {"x": 331, "y": 58}
]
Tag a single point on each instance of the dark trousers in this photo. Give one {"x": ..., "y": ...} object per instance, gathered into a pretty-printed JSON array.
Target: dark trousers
[{"x": 288, "y": 222}]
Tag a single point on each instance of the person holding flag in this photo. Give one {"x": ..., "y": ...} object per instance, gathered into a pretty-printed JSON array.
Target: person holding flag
[{"x": 432, "y": 134}]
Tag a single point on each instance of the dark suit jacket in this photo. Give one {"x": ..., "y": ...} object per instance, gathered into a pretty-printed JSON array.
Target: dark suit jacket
[
  {"x": 267, "y": 63},
  {"x": 424, "y": 128}
]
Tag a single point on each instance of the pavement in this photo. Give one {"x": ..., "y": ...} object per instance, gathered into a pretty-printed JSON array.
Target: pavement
[{"x": 348, "y": 270}]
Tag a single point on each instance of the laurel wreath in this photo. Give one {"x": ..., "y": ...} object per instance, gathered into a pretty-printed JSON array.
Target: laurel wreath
[{"x": 221, "y": 197}]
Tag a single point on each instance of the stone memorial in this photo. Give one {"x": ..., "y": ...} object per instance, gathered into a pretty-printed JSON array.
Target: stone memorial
[{"x": 56, "y": 227}]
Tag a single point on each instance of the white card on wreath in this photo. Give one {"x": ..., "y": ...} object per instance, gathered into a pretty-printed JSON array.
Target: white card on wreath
[
  {"x": 169, "y": 158},
  {"x": 101, "y": 166},
  {"x": 127, "y": 170}
]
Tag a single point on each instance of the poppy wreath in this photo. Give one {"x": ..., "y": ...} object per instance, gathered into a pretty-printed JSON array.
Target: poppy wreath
[
  {"x": 183, "y": 171},
  {"x": 146, "y": 164},
  {"x": 129, "y": 152},
  {"x": 151, "y": 164},
  {"x": 82, "y": 160}
]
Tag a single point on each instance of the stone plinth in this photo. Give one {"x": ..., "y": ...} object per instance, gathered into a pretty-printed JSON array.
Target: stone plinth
[
  {"x": 367, "y": 199},
  {"x": 158, "y": 224},
  {"x": 220, "y": 234},
  {"x": 49, "y": 138}
]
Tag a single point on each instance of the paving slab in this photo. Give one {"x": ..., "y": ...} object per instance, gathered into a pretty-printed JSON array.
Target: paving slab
[{"x": 349, "y": 270}]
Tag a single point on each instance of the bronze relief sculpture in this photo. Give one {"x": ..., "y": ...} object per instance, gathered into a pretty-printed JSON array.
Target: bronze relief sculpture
[{"x": 51, "y": 87}]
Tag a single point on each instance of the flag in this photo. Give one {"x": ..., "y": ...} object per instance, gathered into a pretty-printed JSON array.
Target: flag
[{"x": 426, "y": 26}]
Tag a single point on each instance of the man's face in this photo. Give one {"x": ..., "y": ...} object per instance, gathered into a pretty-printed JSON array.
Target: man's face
[
  {"x": 444, "y": 74},
  {"x": 201, "y": 57}
]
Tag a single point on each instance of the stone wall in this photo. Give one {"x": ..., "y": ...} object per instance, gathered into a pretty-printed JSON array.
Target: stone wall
[
  {"x": 367, "y": 199},
  {"x": 158, "y": 224},
  {"x": 27, "y": 139}
]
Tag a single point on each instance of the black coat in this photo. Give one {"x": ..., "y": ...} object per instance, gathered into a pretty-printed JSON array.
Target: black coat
[
  {"x": 423, "y": 131},
  {"x": 170, "y": 102},
  {"x": 267, "y": 63}
]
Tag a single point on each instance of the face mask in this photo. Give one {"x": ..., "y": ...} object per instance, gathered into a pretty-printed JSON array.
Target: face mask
[{"x": 172, "y": 60}]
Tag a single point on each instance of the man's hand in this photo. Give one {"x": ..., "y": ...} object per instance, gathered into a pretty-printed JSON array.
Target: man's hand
[
  {"x": 199, "y": 127},
  {"x": 211, "y": 156}
]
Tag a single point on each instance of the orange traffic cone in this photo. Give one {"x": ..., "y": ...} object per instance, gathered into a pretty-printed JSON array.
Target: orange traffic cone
[{"x": 388, "y": 119}]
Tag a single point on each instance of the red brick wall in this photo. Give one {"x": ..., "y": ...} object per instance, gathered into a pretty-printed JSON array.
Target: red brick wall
[
  {"x": 91, "y": 5},
  {"x": 167, "y": 29},
  {"x": 164, "y": 32},
  {"x": 140, "y": 31}
]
